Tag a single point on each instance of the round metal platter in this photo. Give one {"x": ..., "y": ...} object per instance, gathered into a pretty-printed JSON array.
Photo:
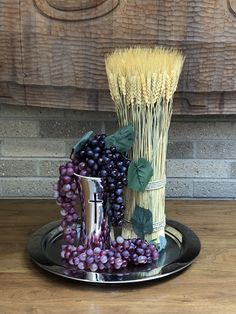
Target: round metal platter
[{"x": 183, "y": 246}]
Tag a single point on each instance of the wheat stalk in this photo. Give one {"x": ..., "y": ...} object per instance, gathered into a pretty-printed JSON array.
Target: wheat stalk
[{"x": 142, "y": 83}]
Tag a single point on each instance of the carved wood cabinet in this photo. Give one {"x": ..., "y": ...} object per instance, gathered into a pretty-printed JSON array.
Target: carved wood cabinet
[{"x": 52, "y": 51}]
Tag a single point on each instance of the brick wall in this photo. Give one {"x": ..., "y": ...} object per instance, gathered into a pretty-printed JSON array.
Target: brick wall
[{"x": 35, "y": 141}]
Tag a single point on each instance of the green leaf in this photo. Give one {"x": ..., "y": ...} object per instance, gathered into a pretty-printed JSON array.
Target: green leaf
[
  {"x": 162, "y": 243},
  {"x": 142, "y": 221},
  {"x": 79, "y": 145},
  {"x": 139, "y": 174},
  {"x": 122, "y": 139}
]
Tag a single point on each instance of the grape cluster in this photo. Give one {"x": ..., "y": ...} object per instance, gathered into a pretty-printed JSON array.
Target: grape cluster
[
  {"x": 121, "y": 254},
  {"x": 94, "y": 159},
  {"x": 66, "y": 194},
  {"x": 98, "y": 161}
]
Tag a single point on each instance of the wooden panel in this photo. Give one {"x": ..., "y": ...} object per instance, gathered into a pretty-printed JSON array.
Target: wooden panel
[
  {"x": 55, "y": 43},
  {"x": 73, "y": 5},
  {"x": 94, "y": 99}
]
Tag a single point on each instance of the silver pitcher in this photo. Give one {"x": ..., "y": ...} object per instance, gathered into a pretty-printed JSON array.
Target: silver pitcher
[{"x": 94, "y": 222}]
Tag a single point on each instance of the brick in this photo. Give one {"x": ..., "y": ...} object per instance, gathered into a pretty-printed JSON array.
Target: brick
[
  {"x": 215, "y": 189},
  {"x": 90, "y": 115},
  {"x": 180, "y": 150},
  {"x": 216, "y": 149},
  {"x": 50, "y": 168},
  {"x": 202, "y": 130},
  {"x": 204, "y": 118},
  {"x": 68, "y": 129},
  {"x": 111, "y": 126},
  {"x": 16, "y": 128},
  {"x": 13, "y": 111},
  {"x": 37, "y": 148},
  {"x": 18, "y": 167},
  {"x": 179, "y": 188},
  {"x": 22, "y": 187},
  {"x": 233, "y": 170},
  {"x": 188, "y": 168}
]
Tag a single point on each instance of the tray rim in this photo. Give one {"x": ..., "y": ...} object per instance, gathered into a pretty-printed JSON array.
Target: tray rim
[{"x": 180, "y": 265}]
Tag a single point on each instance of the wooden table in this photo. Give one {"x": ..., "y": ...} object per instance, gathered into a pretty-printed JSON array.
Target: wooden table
[{"x": 208, "y": 286}]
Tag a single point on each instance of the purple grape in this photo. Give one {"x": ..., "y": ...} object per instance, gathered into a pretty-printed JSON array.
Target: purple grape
[
  {"x": 97, "y": 150},
  {"x": 119, "y": 200},
  {"x": 101, "y": 266},
  {"x": 103, "y": 259},
  {"x": 82, "y": 165},
  {"x": 70, "y": 171},
  {"x": 111, "y": 260},
  {"x": 83, "y": 257},
  {"x": 112, "y": 186},
  {"x": 83, "y": 173},
  {"x": 94, "y": 142},
  {"x": 119, "y": 184},
  {"x": 89, "y": 252},
  {"x": 97, "y": 250},
  {"x": 89, "y": 260},
  {"x": 93, "y": 267},
  {"x": 119, "y": 192},
  {"x": 125, "y": 254},
  {"x": 67, "y": 179},
  {"x": 115, "y": 207},
  {"x": 140, "y": 251},
  {"x": 120, "y": 240},
  {"x": 90, "y": 153},
  {"x": 142, "y": 259},
  {"x": 82, "y": 153},
  {"x": 152, "y": 247},
  {"x": 125, "y": 181},
  {"x": 100, "y": 161},
  {"x": 95, "y": 168},
  {"x": 149, "y": 260},
  {"x": 66, "y": 187},
  {"x": 91, "y": 162},
  {"x": 81, "y": 265},
  {"x": 118, "y": 261},
  {"x": 124, "y": 264},
  {"x": 155, "y": 255},
  {"x": 103, "y": 173}
]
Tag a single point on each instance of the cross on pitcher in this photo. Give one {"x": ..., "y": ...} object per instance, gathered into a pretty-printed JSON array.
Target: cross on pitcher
[{"x": 96, "y": 201}]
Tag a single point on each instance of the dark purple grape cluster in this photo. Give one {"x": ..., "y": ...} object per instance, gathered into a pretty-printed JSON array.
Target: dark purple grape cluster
[
  {"x": 121, "y": 254},
  {"x": 66, "y": 194},
  {"x": 98, "y": 161}
]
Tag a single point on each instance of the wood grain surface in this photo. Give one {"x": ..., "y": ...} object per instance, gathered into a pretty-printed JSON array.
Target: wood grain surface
[
  {"x": 51, "y": 45},
  {"x": 208, "y": 286}
]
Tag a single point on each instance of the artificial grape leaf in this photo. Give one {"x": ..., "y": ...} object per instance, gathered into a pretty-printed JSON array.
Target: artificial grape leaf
[
  {"x": 122, "y": 139},
  {"x": 139, "y": 174},
  {"x": 162, "y": 243},
  {"x": 79, "y": 145},
  {"x": 142, "y": 221}
]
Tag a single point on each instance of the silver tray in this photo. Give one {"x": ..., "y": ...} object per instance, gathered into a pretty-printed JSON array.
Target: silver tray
[{"x": 183, "y": 246}]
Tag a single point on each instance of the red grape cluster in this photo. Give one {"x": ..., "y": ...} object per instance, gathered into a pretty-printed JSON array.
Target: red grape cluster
[
  {"x": 66, "y": 193},
  {"x": 95, "y": 160},
  {"x": 121, "y": 254}
]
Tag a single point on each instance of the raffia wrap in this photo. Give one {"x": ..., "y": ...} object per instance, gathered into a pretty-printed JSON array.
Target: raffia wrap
[{"x": 142, "y": 83}]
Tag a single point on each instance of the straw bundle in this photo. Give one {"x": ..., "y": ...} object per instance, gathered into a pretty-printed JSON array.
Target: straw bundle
[{"x": 142, "y": 83}]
